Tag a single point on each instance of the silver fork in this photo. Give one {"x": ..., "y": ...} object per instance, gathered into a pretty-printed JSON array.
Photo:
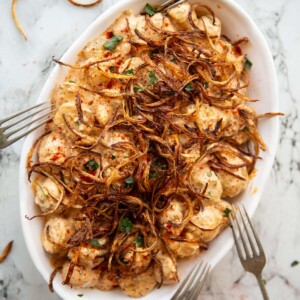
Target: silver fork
[
  {"x": 168, "y": 4},
  {"x": 7, "y": 136},
  {"x": 252, "y": 260},
  {"x": 191, "y": 286}
]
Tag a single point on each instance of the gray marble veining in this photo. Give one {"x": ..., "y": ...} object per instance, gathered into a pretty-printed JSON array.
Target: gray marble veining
[{"x": 24, "y": 66}]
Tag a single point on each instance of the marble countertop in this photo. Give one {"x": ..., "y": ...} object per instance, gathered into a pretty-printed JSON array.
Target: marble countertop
[{"x": 24, "y": 67}]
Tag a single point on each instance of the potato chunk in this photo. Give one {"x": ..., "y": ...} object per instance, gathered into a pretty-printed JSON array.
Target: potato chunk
[
  {"x": 47, "y": 194},
  {"x": 90, "y": 256},
  {"x": 54, "y": 148},
  {"x": 57, "y": 231},
  {"x": 81, "y": 277},
  {"x": 138, "y": 285}
]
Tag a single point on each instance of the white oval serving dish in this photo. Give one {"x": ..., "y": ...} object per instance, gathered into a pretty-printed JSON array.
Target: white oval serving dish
[{"x": 263, "y": 86}]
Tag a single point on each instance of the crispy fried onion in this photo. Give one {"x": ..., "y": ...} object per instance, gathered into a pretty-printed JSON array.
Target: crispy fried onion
[
  {"x": 16, "y": 21},
  {"x": 6, "y": 251},
  {"x": 84, "y": 4}
]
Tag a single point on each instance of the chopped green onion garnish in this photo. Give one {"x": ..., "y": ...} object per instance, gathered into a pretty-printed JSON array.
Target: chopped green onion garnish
[
  {"x": 139, "y": 241},
  {"x": 189, "y": 87},
  {"x": 138, "y": 89},
  {"x": 295, "y": 263},
  {"x": 95, "y": 243},
  {"x": 150, "y": 10},
  {"x": 227, "y": 211},
  {"x": 113, "y": 42},
  {"x": 152, "y": 77},
  {"x": 91, "y": 165},
  {"x": 129, "y": 72},
  {"x": 129, "y": 181},
  {"x": 126, "y": 225},
  {"x": 248, "y": 64}
]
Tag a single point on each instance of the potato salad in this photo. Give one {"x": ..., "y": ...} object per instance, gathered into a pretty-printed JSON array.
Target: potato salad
[{"x": 152, "y": 136}]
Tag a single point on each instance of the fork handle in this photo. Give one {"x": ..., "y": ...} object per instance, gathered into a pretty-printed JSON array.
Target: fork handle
[{"x": 262, "y": 286}]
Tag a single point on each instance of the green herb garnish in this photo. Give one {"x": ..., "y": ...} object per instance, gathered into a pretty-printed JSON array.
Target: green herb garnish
[
  {"x": 139, "y": 241},
  {"x": 189, "y": 87},
  {"x": 152, "y": 77},
  {"x": 129, "y": 182},
  {"x": 94, "y": 243},
  {"x": 226, "y": 212},
  {"x": 248, "y": 64},
  {"x": 123, "y": 261},
  {"x": 153, "y": 174},
  {"x": 113, "y": 156},
  {"x": 113, "y": 42},
  {"x": 111, "y": 68},
  {"x": 79, "y": 295},
  {"x": 91, "y": 165},
  {"x": 153, "y": 51},
  {"x": 295, "y": 263},
  {"x": 206, "y": 85},
  {"x": 159, "y": 164},
  {"x": 137, "y": 89},
  {"x": 129, "y": 72},
  {"x": 72, "y": 81},
  {"x": 209, "y": 174},
  {"x": 150, "y": 10},
  {"x": 126, "y": 225}
]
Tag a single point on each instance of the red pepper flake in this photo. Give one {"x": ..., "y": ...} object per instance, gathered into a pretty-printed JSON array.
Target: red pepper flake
[
  {"x": 109, "y": 35},
  {"x": 168, "y": 226},
  {"x": 86, "y": 179},
  {"x": 108, "y": 54},
  {"x": 68, "y": 231},
  {"x": 166, "y": 24},
  {"x": 111, "y": 84},
  {"x": 125, "y": 30},
  {"x": 54, "y": 138},
  {"x": 55, "y": 157}
]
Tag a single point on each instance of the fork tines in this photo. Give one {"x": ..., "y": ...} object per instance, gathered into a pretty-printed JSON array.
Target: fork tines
[
  {"x": 169, "y": 4},
  {"x": 193, "y": 283},
  {"x": 7, "y": 131},
  {"x": 250, "y": 249},
  {"x": 242, "y": 226}
]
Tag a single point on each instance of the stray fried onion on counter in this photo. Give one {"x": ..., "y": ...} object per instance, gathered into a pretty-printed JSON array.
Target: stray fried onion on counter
[
  {"x": 6, "y": 251},
  {"x": 78, "y": 3},
  {"x": 152, "y": 136},
  {"x": 18, "y": 25},
  {"x": 16, "y": 21}
]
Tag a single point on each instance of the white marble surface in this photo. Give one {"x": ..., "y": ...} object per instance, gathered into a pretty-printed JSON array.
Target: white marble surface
[{"x": 24, "y": 66}]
